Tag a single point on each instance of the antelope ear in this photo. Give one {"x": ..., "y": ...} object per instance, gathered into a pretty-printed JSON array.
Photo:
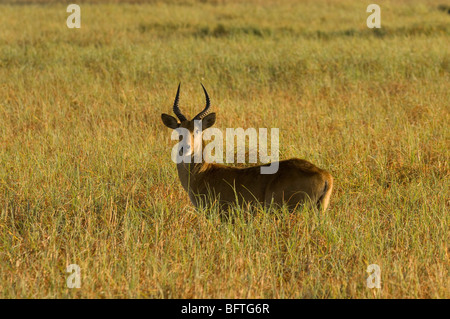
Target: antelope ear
[
  {"x": 208, "y": 121},
  {"x": 169, "y": 121}
]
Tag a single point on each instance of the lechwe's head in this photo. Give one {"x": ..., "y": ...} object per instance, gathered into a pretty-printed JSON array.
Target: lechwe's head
[{"x": 194, "y": 127}]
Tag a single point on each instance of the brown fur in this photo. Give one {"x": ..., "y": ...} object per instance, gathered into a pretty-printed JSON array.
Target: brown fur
[{"x": 295, "y": 183}]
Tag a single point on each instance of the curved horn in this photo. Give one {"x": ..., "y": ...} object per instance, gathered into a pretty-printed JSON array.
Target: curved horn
[
  {"x": 206, "y": 110},
  {"x": 176, "y": 109}
]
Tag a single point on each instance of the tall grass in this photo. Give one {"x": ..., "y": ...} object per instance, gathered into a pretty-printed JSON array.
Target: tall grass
[{"x": 85, "y": 169}]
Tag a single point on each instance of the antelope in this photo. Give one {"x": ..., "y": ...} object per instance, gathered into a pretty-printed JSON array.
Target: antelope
[{"x": 295, "y": 183}]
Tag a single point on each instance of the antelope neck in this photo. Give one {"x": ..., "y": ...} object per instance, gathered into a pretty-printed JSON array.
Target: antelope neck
[{"x": 187, "y": 172}]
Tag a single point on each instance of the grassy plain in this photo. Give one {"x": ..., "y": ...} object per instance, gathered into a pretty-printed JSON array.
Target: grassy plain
[{"x": 85, "y": 170}]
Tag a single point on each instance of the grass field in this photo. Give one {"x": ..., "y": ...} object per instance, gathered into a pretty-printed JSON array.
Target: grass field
[{"x": 86, "y": 176}]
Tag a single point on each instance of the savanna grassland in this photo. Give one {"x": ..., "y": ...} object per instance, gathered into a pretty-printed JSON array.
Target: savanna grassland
[{"x": 86, "y": 175}]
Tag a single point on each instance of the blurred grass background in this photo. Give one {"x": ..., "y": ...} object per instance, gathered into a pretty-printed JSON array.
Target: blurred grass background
[{"x": 85, "y": 169}]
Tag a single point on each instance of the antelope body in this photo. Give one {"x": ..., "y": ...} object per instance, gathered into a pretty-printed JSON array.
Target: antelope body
[{"x": 295, "y": 183}]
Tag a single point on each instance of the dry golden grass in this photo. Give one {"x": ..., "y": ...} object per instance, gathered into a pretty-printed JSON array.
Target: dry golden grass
[{"x": 85, "y": 169}]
